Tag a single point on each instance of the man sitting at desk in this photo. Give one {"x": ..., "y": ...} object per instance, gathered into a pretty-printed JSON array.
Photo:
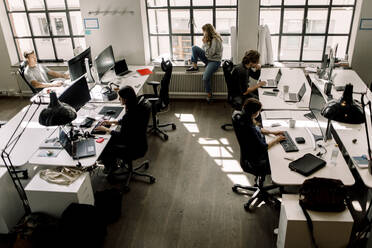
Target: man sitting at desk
[
  {"x": 249, "y": 67},
  {"x": 37, "y": 74},
  {"x": 256, "y": 152}
]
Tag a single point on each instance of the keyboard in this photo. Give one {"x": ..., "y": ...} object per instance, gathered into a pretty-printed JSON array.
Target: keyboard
[
  {"x": 288, "y": 144},
  {"x": 99, "y": 132},
  {"x": 310, "y": 116}
]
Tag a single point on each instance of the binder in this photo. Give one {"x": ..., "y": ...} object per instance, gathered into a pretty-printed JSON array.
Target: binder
[{"x": 307, "y": 164}]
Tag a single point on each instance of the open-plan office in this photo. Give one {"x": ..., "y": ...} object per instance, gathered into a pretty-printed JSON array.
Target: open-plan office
[{"x": 185, "y": 123}]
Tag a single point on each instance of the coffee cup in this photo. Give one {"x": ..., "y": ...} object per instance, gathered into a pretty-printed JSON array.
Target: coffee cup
[{"x": 292, "y": 123}]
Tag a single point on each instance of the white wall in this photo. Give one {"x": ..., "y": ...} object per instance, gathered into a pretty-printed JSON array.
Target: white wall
[
  {"x": 124, "y": 32},
  {"x": 361, "y": 43}
]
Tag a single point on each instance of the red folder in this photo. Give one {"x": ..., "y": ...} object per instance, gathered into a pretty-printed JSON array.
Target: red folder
[{"x": 144, "y": 72}]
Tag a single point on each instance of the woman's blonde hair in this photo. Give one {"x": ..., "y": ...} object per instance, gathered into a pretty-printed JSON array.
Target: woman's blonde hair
[{"x": 210, "y": 33}]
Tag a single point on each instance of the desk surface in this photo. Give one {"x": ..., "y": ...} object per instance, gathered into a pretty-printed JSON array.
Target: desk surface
[
  {"x": 280, "y": 172},
  {"x": 294, "y": 78}
]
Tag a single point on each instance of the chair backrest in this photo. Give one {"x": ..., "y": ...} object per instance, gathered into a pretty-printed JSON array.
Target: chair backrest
[
  {"x": 234, "y": 96},
  {"x": 21, "y": 71},
  {"x": 247, "y": 163},
  {"x": 167, "y": 67},
  {"x": 228, "y": 67},
  {"x": 138, "y": 146}
]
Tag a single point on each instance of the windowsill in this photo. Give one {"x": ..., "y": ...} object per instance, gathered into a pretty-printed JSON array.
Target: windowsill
[{"x": 49, "y": 64}]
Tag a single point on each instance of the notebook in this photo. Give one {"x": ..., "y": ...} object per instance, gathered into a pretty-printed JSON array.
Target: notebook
[{"x": 307, "y": 164}]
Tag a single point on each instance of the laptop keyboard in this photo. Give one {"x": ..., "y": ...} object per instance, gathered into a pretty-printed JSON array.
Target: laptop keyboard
[{"x": 288, "y": 144}]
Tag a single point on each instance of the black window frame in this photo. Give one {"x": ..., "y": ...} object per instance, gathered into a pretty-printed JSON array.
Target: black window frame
[
  {"x": 303, "y": 34},
  {"x": 192, "y": 34},
  {"x": 51, "y": 36}
]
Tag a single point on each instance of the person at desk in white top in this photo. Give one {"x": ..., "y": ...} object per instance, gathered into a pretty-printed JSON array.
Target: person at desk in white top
[
  {"x": 37, "y": 74},
  {"x": 249, "y": 67},
  {"x": 126, "y": 136},
  {"x": 256, "y": 150}
]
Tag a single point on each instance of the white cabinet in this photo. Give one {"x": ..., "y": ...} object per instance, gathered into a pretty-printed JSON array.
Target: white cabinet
[{"x": 53, "y": 198}]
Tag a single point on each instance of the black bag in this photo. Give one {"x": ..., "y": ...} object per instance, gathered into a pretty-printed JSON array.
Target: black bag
[
  {"x": 321, "y": 194},
  {"x": 82, "y": 226},
  {"x": 108, "y": 203}
]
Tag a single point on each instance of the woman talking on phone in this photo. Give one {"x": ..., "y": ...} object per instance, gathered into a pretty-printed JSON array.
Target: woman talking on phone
[{"x": 210, "y": 54}]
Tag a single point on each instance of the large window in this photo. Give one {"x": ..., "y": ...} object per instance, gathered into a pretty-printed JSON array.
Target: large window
[
  {"x": 302, "y": 29},
  {"x": 50, "y": 27},
  {"x": 176, "y": 25}
]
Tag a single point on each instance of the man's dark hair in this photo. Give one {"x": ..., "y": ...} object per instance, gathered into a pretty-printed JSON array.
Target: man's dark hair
[
  {"x": 27, "y": 53},
  {"x": 251, "y": 56}
]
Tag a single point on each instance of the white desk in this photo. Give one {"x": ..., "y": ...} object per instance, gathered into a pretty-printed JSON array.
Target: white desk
[
  {"x": 280, "y": 172},
  {"x": 33, "y": 135},
  {"x": 63, "y": 158},
  {"x": 294, "y": 78}
]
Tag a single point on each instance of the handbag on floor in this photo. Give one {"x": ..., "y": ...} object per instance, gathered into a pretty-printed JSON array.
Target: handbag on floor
[{"x": 323, "y": 195}]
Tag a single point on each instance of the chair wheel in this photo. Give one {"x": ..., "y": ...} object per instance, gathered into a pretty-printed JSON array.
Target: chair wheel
[
  {"x": 152, "y": 180},
  {"x": 165, "y": 137},
  {"x": 235, "y": 189},
  {"x": 223, "y": 127},
  {"x": 174, "y": 126}
]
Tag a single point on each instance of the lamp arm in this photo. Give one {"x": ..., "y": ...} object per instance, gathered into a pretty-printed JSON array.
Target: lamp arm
[{"x": 366, "y": 124}]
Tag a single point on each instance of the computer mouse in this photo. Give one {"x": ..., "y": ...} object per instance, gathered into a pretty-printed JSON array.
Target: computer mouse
[
  {"x": 276, "y": 90},
  {"x": 110, "y": 112}
]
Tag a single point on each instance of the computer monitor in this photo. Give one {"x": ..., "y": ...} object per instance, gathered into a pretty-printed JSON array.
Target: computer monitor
[
  {"x": 317, "y": 103},
  {"x": 77, "y": 95},
  {"x": 76, "y": 65},
  {"x": 105, "y": 61}
]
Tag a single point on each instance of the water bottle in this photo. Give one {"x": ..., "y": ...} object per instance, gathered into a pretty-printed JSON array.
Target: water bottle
[{"x": 334, "y": 155}]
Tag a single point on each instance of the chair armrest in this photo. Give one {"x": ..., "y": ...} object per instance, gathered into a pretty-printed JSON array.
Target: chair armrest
[
  {"x": 152, "y": 99},
  {"x": 153, "y": 83}
]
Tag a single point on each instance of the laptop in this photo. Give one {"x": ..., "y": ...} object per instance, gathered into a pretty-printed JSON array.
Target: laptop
[
  {"x": 296, "y": 97},
  {"x": 121, "y": 68},
  {"x": 77, "y": 149},
  {"x": 273, "y": 83}
]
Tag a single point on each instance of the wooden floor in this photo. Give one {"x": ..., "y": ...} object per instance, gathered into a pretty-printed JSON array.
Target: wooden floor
[{"x": 191, "y": 204}]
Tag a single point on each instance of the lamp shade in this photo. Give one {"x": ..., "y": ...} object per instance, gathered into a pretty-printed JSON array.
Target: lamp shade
[
  {"x": 57, "y": 113},
  {"x": 344, "y": 109}
]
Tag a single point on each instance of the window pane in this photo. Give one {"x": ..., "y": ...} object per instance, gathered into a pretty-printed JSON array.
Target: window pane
[
  {"x": 275, "y": 44},
  {"x": 181, "y": 47},
  {"x": 318, "y": 2},
  {"x": 64, "y": 48},
  {"x": 313, "y": 48},
  {"x": 294, "y": 2},
  {"x": 340, "y": 20},
  {"x": 316, "y": 20},
  {"x": 73, "y": 4},
  {"x": 59, "y": 23},
  {"x": 80, "y": 42},
  {"x": 225, "y": 19},
  {"x": 158, "y": 21},
  {"x": 35, "y": 4},
  {"x": 56, "y": 4},
  {"x": 20, "y": 24},
  {"x": 14, "y": 5},
  {"x": 44, "y": 48},
  {"x": 270, "y": 17},
  {"x": 271, "y": 2},
  {"x": 226, "y": 43},
  {"x": 293, "y": 19},
  {"x": 203, "y": 3},
  {"x": 290, "y": 48},
  {"x": 160, "y": 46},
  {"x": 154, "y": 46},
  {"x": 180, "y": 21},
  {"x": 179, "y": 2},
  {"x": 198, "y": 40},
  {"x": 202, "y": 17},
  {"x": 39, "y": 24},
  {"x": 342, "y": 44},
  {"x": 24, "y": 45},
  {"x": 343, "y": 2},
  {"x": 226, "y": 2},
  {"x": 76, "y": 23},
  {"x": 156, "y": 3}
]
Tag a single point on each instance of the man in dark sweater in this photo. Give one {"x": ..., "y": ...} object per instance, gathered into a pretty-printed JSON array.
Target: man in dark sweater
[{"x": 249, "y": 67}]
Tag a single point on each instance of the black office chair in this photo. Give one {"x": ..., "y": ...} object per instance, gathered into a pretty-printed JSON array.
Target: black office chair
[
  {"x": 137, "y": 149},
  {"x": 259, "y": 171},
  {"x": 233, "y": 96},
  {"x": 21, "y": 72},
  {"x": 162, "y": 101}
]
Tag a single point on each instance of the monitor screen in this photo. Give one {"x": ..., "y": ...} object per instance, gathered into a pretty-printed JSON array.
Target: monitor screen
[
  {"x": 77, "y": 95},
  {"x": 317, "y": 103},
  {"x": 105, "y": 61},
  {"x": 76, "y": 65}
]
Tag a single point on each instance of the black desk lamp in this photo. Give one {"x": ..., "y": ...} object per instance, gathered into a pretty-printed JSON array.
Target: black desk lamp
[{"x": 345, "y": 110}]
